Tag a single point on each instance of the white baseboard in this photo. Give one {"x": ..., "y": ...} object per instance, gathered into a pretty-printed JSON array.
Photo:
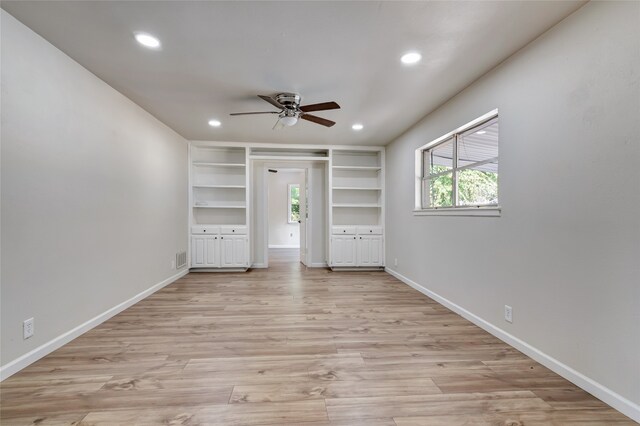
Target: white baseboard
[
  {"x": 18, "y": 364},
  {"x": 617, "y": 401},
  {"x": 318, "y": 265},
  {"x": 291, "y": 246},
  {"x": 259, "y": 265}
]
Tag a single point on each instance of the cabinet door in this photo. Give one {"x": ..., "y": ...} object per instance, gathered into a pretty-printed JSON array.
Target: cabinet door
[
  {"x": 205, "y": 252},
  {"x": 343, "y": 250},
  {"x": 234, "y": 251},
  {"x": 198, "y": 251},
  {"x": 212, "y": 250},
  {"x": 370, "y": 249}
]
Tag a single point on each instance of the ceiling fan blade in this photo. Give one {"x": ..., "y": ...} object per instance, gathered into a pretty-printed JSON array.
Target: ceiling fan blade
[
  {"x": 278, "y": 125},
  {"x": 252, "y": 113},
  {"x": 319, "y": 107},
  {"x": 317, "y": 120},
  {"x": 271, "y": 101}
]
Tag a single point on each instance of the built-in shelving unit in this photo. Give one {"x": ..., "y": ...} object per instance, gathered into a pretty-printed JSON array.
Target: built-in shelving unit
[
  {"x": 357, "y": 187},
  {"x": 357, "y": 214},
  {"x": 220, "y": 202},
  {"x": 219, "y": 194}
]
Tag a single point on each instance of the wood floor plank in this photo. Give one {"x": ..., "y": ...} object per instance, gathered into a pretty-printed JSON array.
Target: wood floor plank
[
  {"x": 298, "y": 346},
  {"x": 429, "y": 405},
  {"x": 539, "y": 418},
  {"x": 321, "y": 389},
  {"x": 294, "y": 413}
]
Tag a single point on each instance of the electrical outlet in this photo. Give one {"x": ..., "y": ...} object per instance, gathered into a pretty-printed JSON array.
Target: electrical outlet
[
  {"x": 27, "y": 328},
  {"x": 508, "y": 313},
  {"x": 395, "y": 262}
]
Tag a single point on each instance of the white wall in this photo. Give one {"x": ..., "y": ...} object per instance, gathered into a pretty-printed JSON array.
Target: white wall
[
  {"x": 94, "y": 194},
  {"x": 281, "y": 232},
  {"x": 566, "y": 252}
]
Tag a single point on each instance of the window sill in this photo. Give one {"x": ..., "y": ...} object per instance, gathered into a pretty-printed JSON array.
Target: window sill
[{"x": 493, "y": 211}]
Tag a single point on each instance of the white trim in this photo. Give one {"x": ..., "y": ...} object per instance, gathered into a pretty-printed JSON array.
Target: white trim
[
  {"x": 25, "y": 360},
  {"x": 615, "y": 400},
  {"x": 259, "y": 265},
  {"x": 220, "y": 269},
  {"x": 285, "y": 145},
  {"x": 284, "y": 245},
  {"x": 318, "y": 265},
  {"x": 461, "y": 211},
  {"x": 287, "y": 158}
]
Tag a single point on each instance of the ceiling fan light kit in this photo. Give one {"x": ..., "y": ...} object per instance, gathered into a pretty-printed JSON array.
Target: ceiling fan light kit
[{"x": 291, "y": 111}]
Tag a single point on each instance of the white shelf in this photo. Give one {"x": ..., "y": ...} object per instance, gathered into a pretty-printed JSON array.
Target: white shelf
[
  {"x": 358, "y": 205},
  {"x": 357, "y": 167},
  {"x": 202, "y": 164},
  {"x": 357, "y": 188},
  {"x": 219, "y": 206},
  {"x": 221, "y": 186}
]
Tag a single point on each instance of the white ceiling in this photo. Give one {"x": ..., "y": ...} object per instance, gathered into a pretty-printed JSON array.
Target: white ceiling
[{"x": 217, "y": 56}]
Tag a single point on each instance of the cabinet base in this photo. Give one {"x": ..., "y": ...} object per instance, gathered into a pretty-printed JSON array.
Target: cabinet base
[
  {"x": 218, "y": 269},
  {"x": 357, "y": 268}
]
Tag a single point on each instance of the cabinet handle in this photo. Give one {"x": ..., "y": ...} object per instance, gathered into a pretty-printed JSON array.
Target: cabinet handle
[
  {"x": 354, "y": 238},
  {"x": 222, "y": 238},
  {"x": 360, "y": 237}
]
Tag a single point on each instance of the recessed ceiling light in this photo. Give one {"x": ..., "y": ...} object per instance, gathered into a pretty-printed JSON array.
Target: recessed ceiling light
[
  {"x": 214, "y": 123},
  {"x": 411, "y": 58},
  {"x": 357, "y": 126},
  {"x": 481, "y": 132},
  {"x": 147, "y": 40}
]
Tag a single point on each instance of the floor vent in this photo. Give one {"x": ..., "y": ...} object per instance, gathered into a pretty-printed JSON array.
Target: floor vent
[{"x": 181, "y": 259}]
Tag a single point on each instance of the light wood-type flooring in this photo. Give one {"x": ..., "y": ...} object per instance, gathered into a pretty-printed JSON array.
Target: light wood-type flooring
[{"x": 298, "y": 346}]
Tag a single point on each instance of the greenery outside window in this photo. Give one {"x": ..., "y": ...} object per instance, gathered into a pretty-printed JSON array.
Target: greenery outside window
[
  {"x": 459, "y": 171},
  {"x": 293, "y": 203}
]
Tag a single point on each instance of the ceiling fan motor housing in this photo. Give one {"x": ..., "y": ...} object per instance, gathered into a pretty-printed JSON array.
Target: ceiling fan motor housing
[{"x": 288, "y": 100}]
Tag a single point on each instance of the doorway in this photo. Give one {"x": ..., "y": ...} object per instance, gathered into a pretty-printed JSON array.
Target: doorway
[
  {"x": 314, "y": 221},
  {"x": 287, "y": 206}
]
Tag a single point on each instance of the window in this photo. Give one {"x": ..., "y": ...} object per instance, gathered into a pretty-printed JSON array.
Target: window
[
  {"x": 293, "y": 203},
  {"x": 459, "y": 171}
]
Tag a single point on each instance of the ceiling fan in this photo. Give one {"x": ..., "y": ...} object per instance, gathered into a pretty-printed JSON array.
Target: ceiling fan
[{"x": 291, "y": 111}]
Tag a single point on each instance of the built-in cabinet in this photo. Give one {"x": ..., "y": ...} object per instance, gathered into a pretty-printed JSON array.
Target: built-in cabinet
[
  {"x": 357, "y": 210},
  {"x": 353, "y": 246},
  {"x": 219, "y": 214},
  {"x": 220, "y": 210},
  {"x": 219, "y": 247}
]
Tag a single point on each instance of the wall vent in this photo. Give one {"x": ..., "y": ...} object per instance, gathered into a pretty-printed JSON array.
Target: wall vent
[{"x": 181, "y": 259}]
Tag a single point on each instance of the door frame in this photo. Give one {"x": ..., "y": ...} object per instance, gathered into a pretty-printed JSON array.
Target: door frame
[
  {"x": 291, "y": 163},
  {"x": 303, "y": 207}
]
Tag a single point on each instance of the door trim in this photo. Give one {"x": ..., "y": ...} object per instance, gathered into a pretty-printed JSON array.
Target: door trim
[{"x": 303, "y": 163}]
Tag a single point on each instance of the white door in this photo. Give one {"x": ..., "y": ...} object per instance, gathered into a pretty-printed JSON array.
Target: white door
[
  {"x": 233, "y": 250},
  {"x": 304, "y": 205},
  {"x": 343, "y": 250},
  {"x": 370, "y": 250}
]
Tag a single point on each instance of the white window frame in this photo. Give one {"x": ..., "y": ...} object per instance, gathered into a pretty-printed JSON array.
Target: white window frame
[
  {"x": 289, "y": 186},
  {"x": 420, "y": 178}
]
